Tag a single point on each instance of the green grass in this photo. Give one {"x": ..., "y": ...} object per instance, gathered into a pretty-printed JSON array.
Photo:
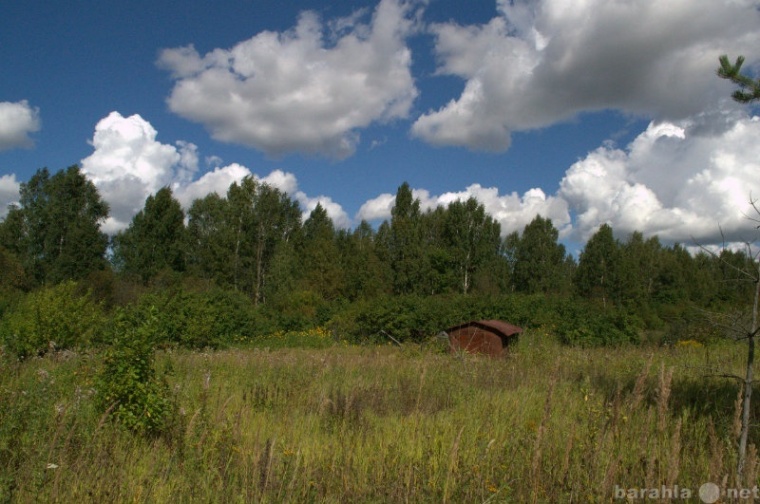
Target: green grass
[{"x": 379, "y": 424}]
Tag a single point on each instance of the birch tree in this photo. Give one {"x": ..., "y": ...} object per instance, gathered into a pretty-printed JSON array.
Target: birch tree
[{"x": 56, "y": 231}]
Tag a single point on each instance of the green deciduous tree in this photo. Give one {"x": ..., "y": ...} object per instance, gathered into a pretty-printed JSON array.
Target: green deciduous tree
[
  {"x": 436, "y": 272},
  {"x": 541, "y": 264},
  {"x": 675, "y": 276},
  {"x": 275, "y": 219},
  {"x": 402, "y": 240},
  {"x": 640, "y": 265},
  {"x": 599, "y": 267},
  {"x": 472, "y": 238},
  {"x": 55, "y": 231},
  {"x": 232, "y": 240},
  {"x": 155, "y": 240},
  {"x": 366, "y": 275},
  {"x": 321, "y": 269},
  {"x": 209, "y": 243}
]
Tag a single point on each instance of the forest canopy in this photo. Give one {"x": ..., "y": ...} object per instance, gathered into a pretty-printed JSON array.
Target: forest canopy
[{"x": 250, "y": 262}]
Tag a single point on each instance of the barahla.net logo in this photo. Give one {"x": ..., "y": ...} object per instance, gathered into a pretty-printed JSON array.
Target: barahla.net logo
[{"x": 709, "y": 493}]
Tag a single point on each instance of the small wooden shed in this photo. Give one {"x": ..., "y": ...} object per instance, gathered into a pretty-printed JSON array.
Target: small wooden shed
[{"x": 489, "y": 337}]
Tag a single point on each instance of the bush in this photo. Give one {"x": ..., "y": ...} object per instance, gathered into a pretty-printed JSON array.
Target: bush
[
  {"x": 296, "y": 310},
  {"x": 415, "y": 318},
  {"x": 404, "y": 317},
  {"x": 128, "y": 387},
  {"x": 198, "y": 319},
  {"x": 582, "y": 324},
  {"x": 54, "y": 318}
]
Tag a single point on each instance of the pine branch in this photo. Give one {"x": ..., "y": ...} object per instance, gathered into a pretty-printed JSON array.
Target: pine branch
[{"x": 749, "y": 89}]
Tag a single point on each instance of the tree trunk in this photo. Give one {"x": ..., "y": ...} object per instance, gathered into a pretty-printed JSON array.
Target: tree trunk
[
  {"x": 259, "y": 265},
  {"x": 236, "y": 263},
  {"x": 748, "y": 384},
  {"x": 466, "y": 280}
]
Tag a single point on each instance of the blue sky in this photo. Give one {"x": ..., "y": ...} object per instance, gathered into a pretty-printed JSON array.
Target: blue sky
[{"x": 602, "y": 111}]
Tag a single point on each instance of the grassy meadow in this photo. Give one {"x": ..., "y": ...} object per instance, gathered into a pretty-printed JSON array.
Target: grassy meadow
[{"x": 344, "y": 423}]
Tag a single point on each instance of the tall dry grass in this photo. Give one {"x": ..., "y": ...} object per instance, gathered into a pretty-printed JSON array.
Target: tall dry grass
[{"x": 379, "y": 424}]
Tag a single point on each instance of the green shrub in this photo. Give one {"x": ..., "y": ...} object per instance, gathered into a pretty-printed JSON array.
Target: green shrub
[
  {"x": 198, "y": 319},
  {"x": 128, "y": 387},
  {"x": 53, "y": 318},
  {"x": 296, "y": 311},
  {"x": 583, "y": 324},
  {"x": 416, "y": 318},
  {"x": 404, "y": 317}
]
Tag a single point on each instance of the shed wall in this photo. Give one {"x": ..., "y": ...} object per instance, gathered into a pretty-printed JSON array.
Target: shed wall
[{"x": 475, "y": 340}]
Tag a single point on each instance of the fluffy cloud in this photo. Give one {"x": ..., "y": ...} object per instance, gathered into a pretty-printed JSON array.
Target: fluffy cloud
[
  {"x": 129, "y": 164},
  {"x": 377, "y": 208},
  {"x": 17, "y": 121},
  {"x": 216, "y": 181},
  {"x": 540, "y": 62},
  {"x": 512, "y": 211},
  {"x": 309, "y": 89},
  {"x": 683, "y": 181},
  {"x": 9, "y": 193}
]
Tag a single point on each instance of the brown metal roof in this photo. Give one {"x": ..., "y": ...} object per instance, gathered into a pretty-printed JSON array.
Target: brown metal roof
[{"x": 497, "y": 326}]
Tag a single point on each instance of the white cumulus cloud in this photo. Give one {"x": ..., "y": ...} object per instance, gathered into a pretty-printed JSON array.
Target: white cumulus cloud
[
  {"x": 310, "y": 89},
  {"x": 681, "y": 180},
  {"x": 512, "y": 211},
  {"x": 377, "y": 208},
  {"x": 543, "y": 61},
  {"x": 17, "y": 121},
  {"x": 129, "y": 164},
  {"x": 216, "y": 181}
]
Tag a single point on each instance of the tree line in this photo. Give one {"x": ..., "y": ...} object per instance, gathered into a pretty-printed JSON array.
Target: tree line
[{"x": 253, "y": 242}]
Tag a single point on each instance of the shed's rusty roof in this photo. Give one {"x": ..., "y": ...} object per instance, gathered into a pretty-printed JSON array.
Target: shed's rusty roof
[{"x": 497, "y": 326}]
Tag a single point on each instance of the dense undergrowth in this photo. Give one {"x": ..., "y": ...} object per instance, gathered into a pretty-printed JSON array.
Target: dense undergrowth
[{"x": 72, "y": 316}]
